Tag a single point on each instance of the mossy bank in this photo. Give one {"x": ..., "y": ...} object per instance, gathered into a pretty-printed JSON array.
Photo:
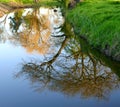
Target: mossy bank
[{"x": 99, "y": 22}]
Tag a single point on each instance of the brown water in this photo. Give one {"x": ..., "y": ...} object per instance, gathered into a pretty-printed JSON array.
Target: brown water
[{"x": 42, "y": 65}]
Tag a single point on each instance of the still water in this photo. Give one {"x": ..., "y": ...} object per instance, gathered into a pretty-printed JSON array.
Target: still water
[{"x": 43, "y": 64}]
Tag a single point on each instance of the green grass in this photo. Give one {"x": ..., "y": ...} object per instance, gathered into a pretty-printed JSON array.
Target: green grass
[
  {"x": 41, "y": 2},
  {"x": 99, "y": 23},
  {"x": 22, "y": 1}
]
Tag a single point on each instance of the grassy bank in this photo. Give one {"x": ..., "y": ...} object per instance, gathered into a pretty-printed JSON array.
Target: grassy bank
[
  {"x": 31, "y": 2},
  {"x": 26, "y": 1},
  {"x": 99, "y": 22}
]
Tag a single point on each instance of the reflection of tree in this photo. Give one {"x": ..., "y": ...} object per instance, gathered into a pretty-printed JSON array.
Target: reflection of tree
[
  {"x": 73, "y": 73},
  {"x": 37, "y": 35},
  {"x": 34, "y": 29},
  {"x": 89, "y": 78}
]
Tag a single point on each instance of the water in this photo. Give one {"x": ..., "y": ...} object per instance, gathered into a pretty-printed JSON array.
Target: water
[{"x": 43, "y": 65}]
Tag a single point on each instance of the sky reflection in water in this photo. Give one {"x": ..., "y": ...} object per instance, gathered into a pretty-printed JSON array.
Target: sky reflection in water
[{"x": 44, "y": 65}]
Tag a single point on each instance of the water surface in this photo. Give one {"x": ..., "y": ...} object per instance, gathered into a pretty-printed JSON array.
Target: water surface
[{"x": 43, "y": 63}]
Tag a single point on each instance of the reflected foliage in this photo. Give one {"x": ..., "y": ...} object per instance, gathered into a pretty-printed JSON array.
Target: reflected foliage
[
  {"x": 72, "y": 70},
  {"x": 37, "y": 33},
  {"x": 33, "y": 28}
]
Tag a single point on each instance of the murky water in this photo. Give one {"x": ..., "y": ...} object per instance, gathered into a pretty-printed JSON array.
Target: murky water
[{"x": 42, "y": 63}]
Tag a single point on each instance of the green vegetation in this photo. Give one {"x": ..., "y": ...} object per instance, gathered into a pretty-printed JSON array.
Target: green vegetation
[
  {"x": 19, "y": 1},
  {"x": 99, "y": 24},
  {"x": 32, "y": 2}
]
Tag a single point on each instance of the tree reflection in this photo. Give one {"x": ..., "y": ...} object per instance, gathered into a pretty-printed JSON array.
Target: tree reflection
[
  {"x": 32, "y": 28},
  {"x": 69, "y": 68},
  {"x": 37, "y": 33},
  {"x": 71, "y": 71}
]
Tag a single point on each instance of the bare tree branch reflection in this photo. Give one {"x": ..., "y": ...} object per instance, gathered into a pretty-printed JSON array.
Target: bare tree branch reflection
[
  {"x": 73, "y": 74},
  {"x": 67, "y": 69}
]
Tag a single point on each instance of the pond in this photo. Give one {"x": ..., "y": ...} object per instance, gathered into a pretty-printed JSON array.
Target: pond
[{"x": 44, "y": 64}]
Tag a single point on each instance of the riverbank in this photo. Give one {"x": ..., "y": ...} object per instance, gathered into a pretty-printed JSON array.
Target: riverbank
[
  {"x": 98, "y": 22},
  {"x": 33, "y": 3}
]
